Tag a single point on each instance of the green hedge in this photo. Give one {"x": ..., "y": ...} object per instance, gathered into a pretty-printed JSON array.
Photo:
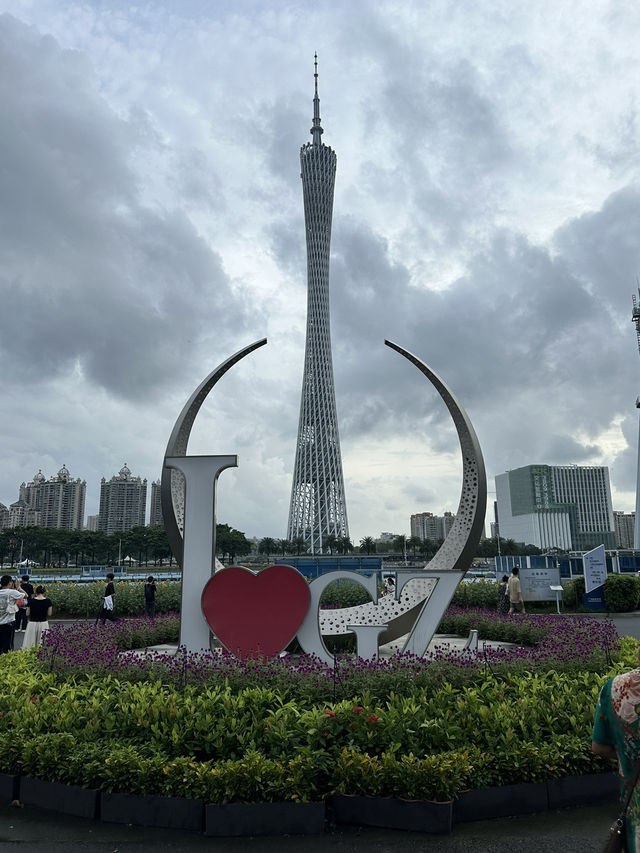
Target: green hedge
[
  {"x": 621, "y": 593},
  {"x": 224, "y": 746},
  {"x": 84, "y": 600}
]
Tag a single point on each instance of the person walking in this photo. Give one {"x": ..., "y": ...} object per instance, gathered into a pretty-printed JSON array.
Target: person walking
[
  {"x": 616, "y": 734},
  {"x": 503, "y": 595},
  {"x": 150, "y": 597},
  {"x": 21, "y": 615},
  {"x": 107, "y": 602},
  {"x": 10, "y": 594},
  {"x": 38, "y": 611},
  {"x": 516, "y": 602}
]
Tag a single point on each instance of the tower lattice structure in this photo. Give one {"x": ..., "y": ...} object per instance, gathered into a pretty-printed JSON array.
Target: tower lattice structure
[
  {"x": 635, "y": 317},
  {"x": 318, "y": 509}
]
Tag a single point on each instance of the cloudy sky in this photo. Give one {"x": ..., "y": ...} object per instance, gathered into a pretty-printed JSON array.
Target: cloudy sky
[{"x": 486, "y": 218}]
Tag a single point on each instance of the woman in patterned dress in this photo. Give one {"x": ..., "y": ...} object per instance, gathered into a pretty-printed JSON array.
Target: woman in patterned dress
[{"x": 616, "y": 735}]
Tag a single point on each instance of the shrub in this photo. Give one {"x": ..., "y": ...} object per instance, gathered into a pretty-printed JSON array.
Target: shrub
[
  {"x": 478, "y": 593},
  {"x": 573, "y": 592},
  {"x": 84, "y": 600},
  {"x": 621, "y": 593}
]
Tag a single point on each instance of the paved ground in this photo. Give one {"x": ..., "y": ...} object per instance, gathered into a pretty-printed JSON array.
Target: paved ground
[{"x": 30, "y": 830}]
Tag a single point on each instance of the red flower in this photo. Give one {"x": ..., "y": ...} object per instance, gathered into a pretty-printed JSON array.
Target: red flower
[
  {"x": 329, "y": 712},
  {"x": 33, "y": 698},
  {"x": 53, "y": 699},
  {"x": 372, "y": 718},
  {"x": 357, "y": 709}
]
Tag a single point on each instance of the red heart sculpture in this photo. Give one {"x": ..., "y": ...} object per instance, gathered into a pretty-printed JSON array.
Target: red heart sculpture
[{"x": 255, "y": 615}]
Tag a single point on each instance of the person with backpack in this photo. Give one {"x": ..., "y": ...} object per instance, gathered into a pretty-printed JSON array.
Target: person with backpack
[
  {"x": 11, "y": 593},
  {"x": 150, "y": 597}
]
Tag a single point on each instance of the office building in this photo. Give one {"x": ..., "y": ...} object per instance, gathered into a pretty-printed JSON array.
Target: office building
[
  {"x": 624, "y": 524},
  {"x": 59, "y": 501},
  {"x": 123, "y": 502},
  {"x": 556, "y": 506},
  {"x": 317, "y": 509}
]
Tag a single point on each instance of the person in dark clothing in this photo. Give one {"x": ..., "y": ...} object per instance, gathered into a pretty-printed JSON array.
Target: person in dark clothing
[
  {"x": 21, "y": 615},
  {"x": 503, "y": 595},
  {"x": 39, "y": 611},
  {"x": 107, "y": 603},
  {"x": 150, "y": 597}
]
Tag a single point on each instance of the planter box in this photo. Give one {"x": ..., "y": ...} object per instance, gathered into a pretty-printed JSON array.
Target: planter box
[
  {"x": 583, "y": 790},
  {"x": 56, "y": 796},
  {"x": 9, "y": 787},
  {"x": 391, "y": 813},
  {"x": 164, "y": 812},
  {"x": 264, "y": 819},
  {"x": 501, "y": 801}
]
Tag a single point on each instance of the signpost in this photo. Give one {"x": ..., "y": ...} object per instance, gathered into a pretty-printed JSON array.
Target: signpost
[{"x": 595, "y": 574}]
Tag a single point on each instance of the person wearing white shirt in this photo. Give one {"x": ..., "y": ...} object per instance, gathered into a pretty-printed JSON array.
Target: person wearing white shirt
[{"x": 10, "y": 594}]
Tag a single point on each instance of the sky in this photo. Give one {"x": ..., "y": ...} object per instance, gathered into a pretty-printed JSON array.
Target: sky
[{"x": 486, "y": 218}]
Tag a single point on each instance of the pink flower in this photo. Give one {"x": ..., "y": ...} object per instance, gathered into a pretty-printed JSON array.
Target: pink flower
[
  {"x": 357, "y": 709},
  {"x": 372, "y": 718}
]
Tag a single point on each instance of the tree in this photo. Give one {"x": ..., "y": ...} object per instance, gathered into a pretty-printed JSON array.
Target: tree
[
  {"x": 299, "y": 546},
  {"x": 413, "y": 543},
  {"x": 344, "y": 545},
  {"x": 283, "y": 546},
  {"x": 231, "y": 542},
  {"x": 367, "y": 545},
  {"x": 399, "y": 543},
  {"x": 330, "y": 542},
  {"x": 267, "y": 546}
]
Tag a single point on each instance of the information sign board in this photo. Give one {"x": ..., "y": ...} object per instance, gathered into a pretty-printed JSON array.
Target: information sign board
[
  {"x": 595, "y": 568},
  {"x": 536, "y": 583}
]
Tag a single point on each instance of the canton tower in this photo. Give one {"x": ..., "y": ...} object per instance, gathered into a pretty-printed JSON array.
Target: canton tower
[{"x": 317, "y": 508}]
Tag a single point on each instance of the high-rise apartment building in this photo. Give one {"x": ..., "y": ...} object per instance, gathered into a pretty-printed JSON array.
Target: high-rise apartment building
[
  {"x": 59, "y": 500},
  {"x": 318, "y": 507},
  {"x": 624, "y": 523},
  {"x": 19, "y": 514},
  {"x": 556, "y": 506},
  {"x": 426, "y": 525},
  {"x": 155, "y": 511},
  {"x": 123, "y": 502}
]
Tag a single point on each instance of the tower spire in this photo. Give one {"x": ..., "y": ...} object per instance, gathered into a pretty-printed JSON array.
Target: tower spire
[{"x": 316, "y": 131}]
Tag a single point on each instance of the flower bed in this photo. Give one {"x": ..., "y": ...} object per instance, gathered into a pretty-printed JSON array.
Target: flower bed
[
  {"x": 219, "y": 730},
  {"x": 568, "y": 644}
]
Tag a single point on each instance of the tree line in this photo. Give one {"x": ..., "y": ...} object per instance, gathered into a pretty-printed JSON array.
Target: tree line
[
  {"x": 51, "y": 546},
  {"x": 410, "y": 545}
]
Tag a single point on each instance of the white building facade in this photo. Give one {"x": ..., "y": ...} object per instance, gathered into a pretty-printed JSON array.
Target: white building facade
[{"x": 556, "y": 506}]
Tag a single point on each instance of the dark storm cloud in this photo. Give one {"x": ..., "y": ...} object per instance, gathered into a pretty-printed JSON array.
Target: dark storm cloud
[
  {"x": 90, "y": 277},
  {"x": 524, "y": 331}
]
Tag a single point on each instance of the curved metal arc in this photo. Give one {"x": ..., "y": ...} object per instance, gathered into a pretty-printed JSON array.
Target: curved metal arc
[
  {"x": 454, "y": 555},
  {"x": 459, "y": 548},
  {"x": 171, "y": 480}
]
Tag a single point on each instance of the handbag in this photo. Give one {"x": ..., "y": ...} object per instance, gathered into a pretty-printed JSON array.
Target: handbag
[{"x": 617, "y": 841}]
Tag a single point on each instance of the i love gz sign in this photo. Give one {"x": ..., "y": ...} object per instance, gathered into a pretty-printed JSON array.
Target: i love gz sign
[{"x": 258, "y": 614}]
